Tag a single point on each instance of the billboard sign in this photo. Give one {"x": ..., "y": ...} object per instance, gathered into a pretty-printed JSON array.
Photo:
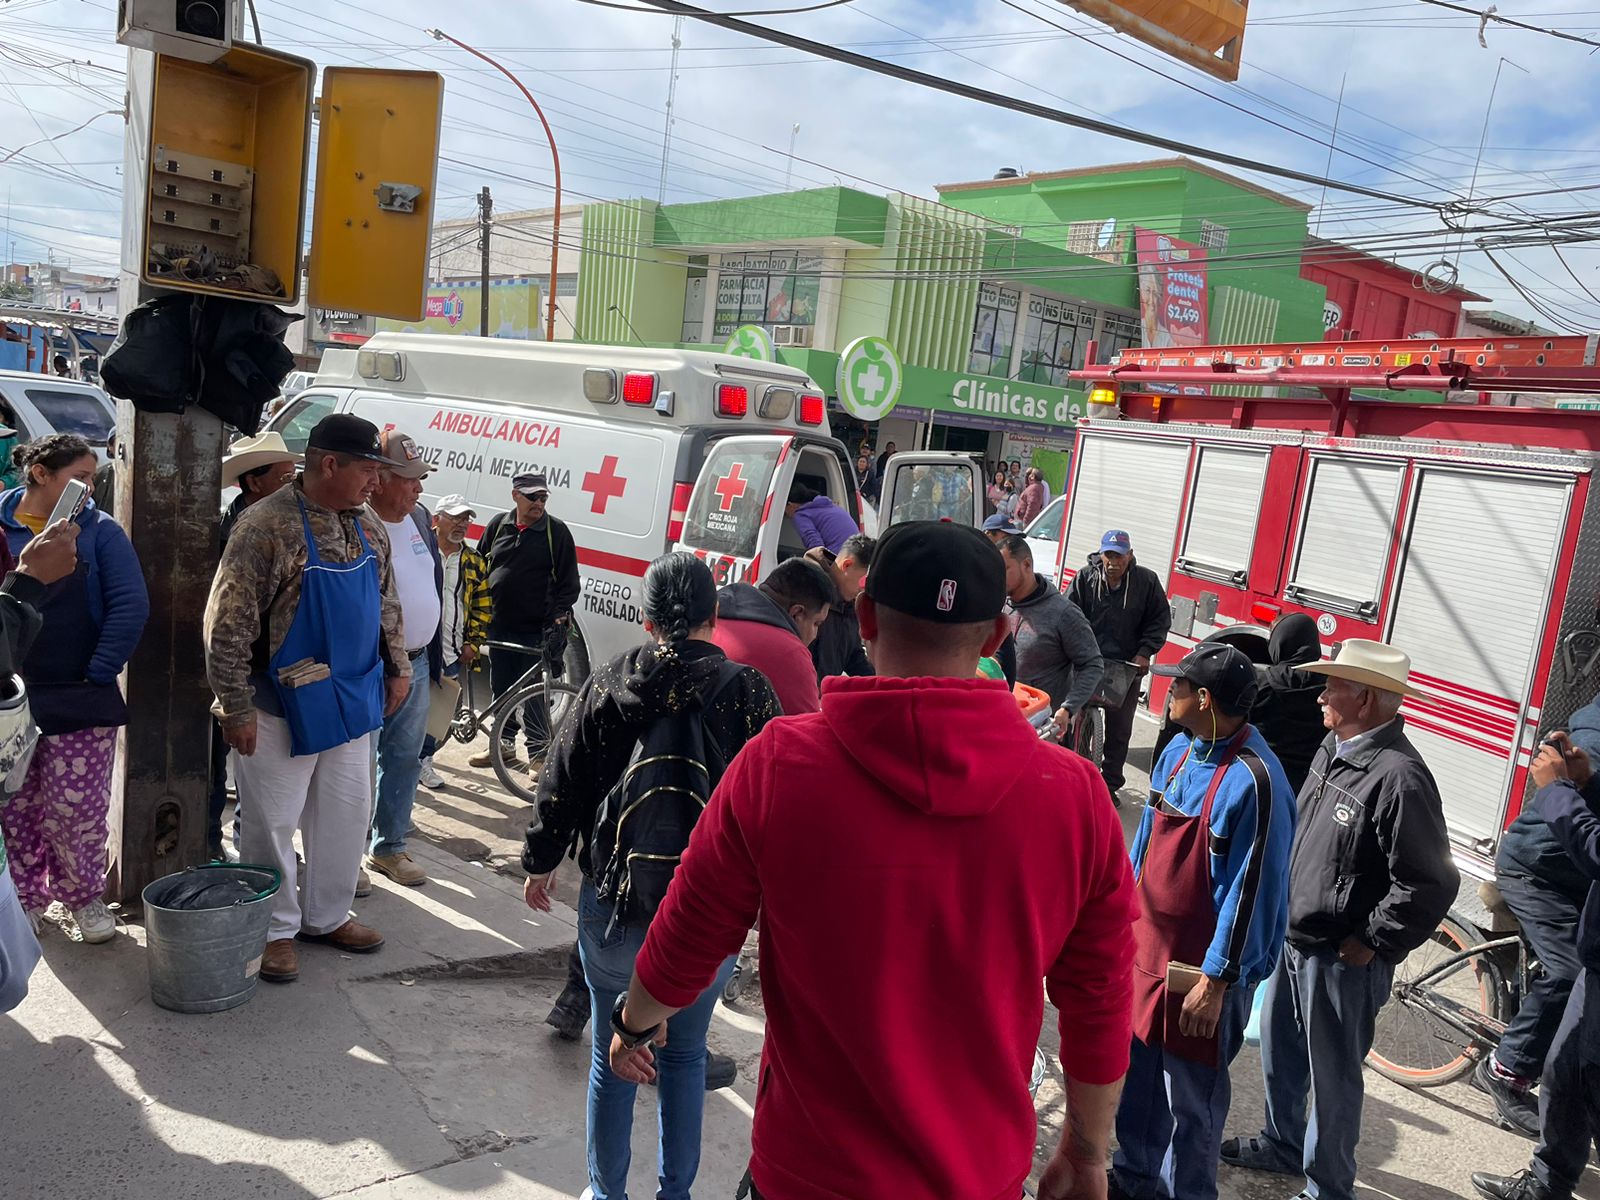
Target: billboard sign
[
  {"x": 1172, "y": 289},
  {"x": 514, "y": 311}
]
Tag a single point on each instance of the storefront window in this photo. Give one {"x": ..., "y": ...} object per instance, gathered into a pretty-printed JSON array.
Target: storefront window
[
  {"x": 694, "y": 301},
  {"x": 778, "y": 288},
  {"x": 994, "y": 331},
  {"x": 1117, "y": 333},
  {"x": 1054, "y": 340}
]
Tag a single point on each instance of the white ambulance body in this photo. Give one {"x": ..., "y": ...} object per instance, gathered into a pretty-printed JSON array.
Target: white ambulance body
[{"x": 621, "y": 433}]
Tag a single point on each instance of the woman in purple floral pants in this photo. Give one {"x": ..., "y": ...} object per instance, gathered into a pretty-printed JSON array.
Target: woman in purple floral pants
[{"x": 55, "y": 825}]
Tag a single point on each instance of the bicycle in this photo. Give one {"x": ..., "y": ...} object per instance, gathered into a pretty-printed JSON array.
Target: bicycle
[
  {"x": 1452, "y": 999},
  {"x": 537, "y": 685}
]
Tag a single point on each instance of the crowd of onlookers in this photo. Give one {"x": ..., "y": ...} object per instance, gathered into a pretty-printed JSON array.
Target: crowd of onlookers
[{"x": 836, "y": 757}]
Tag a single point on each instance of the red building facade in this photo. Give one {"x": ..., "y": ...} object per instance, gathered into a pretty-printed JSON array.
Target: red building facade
[{"x": 1372, "y": 298}]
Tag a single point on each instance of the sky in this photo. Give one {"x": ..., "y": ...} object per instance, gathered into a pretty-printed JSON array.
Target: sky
[{"x": 1416, "y": 88}]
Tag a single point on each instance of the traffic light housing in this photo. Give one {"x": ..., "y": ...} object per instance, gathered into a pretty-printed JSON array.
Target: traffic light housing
[{"x": 227, "y": 165}]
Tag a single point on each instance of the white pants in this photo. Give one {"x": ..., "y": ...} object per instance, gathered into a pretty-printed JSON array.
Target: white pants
[{"x": 328, "y": 797}]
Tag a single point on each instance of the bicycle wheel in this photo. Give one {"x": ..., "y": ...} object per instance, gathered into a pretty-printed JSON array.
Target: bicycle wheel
[
  {"x": 1412, "y": 1043},
  {"x": 558, "y": 701}
]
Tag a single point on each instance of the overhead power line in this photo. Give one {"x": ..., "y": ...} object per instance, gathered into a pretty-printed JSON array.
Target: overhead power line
[
  {"x": 1488, "y": 14},
  {"x": 1025, "y": 107}
]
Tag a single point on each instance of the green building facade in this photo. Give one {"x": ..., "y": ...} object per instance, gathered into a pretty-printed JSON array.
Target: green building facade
[{"x": 989, "y": 295}]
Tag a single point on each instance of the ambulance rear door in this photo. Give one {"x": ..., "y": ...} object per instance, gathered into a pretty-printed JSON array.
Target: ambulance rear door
[
  {"x": 930, "y": 485},
  {"x": 735, "y": 516}
]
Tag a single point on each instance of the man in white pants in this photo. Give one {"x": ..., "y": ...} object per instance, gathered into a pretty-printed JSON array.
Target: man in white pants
[{"x": 306, "y": 655}]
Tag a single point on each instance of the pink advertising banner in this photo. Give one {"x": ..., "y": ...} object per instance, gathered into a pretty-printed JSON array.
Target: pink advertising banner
[{"x": 1172, "y": 289}]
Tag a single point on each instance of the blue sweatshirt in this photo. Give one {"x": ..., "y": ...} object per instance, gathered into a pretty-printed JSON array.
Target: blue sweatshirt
[
  {"x": 89, "y": 633},
  {"x": 1250, "y": 841}
]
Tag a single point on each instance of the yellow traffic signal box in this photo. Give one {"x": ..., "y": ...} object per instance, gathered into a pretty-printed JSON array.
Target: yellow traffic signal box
[
  {"x": 229, "y": 159},
  {"x": 377, "y": 164}
]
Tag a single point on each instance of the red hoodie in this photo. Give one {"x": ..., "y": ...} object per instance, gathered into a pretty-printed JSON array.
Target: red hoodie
[
  {"x": 920, "y": 861},
  {"x": 751, "y": 629}
]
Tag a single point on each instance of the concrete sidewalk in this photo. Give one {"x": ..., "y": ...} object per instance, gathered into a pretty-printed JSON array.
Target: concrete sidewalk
[{"x": 422, "y": 1070}]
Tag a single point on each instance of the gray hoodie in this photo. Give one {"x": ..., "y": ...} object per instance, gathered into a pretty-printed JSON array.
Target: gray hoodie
[{"x": 1056, "y": 648}]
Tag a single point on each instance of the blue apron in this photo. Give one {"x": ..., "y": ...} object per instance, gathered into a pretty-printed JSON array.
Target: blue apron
[{"x": 338, "y": 622}]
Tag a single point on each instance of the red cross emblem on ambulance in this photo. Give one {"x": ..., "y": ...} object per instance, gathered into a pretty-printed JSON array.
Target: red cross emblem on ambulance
[{"x": 731, "y": 487}]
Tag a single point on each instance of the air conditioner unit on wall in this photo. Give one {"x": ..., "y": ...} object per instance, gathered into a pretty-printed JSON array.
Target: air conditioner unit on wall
[
  {"x": 198, "y": 30},
  {"x": 791, "y": 335}
]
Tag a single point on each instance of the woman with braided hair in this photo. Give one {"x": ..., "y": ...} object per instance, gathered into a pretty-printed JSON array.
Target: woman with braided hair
[{"x": 677, "y": 673}]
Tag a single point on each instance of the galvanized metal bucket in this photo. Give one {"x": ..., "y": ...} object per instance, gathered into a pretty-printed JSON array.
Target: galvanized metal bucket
[{"x": 207, "y": 960}]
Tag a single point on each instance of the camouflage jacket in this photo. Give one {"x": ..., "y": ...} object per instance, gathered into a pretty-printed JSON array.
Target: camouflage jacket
[{"x": 257, "y": 590}]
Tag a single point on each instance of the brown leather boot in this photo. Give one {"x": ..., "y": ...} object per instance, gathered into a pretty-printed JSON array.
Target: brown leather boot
[
  {"x": 352, "y": 936},
  {"x": 279, "y": 962}
]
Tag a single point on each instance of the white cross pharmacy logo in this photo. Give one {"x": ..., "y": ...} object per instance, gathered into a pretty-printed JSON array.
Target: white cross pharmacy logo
[{"x": 870, "y": 378}]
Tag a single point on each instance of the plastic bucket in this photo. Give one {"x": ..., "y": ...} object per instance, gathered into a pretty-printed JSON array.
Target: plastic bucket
[{"x": 205, "y": 960}]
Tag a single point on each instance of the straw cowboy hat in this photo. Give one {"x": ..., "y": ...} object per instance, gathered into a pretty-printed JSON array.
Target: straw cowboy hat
[
  {"x": 1372, "y": 664},
  {"x": 248, "y": 453}
]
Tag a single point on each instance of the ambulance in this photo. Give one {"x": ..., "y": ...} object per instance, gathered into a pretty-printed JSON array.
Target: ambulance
[
  {"x": 632, "y": 439},
  {"x": 1263, "y": 480}
]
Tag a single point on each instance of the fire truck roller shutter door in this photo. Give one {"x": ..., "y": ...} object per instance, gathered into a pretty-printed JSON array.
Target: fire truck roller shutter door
[
  {"x": 1132, "y": 484},
  {"x": 1472, "y": 607}
]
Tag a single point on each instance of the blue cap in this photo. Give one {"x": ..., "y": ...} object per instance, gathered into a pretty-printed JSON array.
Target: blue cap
[
  {"x": 1117, "y": 541},
  {"x": 1000, "y": 523}
]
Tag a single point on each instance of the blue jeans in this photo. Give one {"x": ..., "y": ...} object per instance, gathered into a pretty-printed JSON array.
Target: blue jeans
[
  {"x": 1316, "y": 1028},
  {"x": 681, "y": 1063},
  {"x": 400, "y": 765},
  {"x": 1169, "y": 1124},
  {"x": 429, "y": 742}
]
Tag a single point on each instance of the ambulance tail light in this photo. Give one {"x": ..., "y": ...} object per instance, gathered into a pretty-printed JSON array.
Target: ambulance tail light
[
  {"x": 639, "y": 387},
  {"x": 812, "y": 410},
  {"x": 733, "y": 400},
  {"x": 680, "y": 509}
]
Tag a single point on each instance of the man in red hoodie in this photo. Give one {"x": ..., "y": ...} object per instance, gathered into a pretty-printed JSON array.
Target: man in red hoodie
[
  {"x": 920, "y": 861},
  {"x": 771, "y": 627}
]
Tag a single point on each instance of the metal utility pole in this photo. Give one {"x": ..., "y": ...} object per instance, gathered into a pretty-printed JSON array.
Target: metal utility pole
[
  {"x": 672, "y": 96},
  {"x": 555, "y": 159},
  {"x": 788, "y": 170},
  {"x": 485, "y": 212}
]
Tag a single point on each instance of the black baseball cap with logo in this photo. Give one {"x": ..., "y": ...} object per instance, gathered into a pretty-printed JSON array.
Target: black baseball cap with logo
[
  {"x": 938, "y": 571},
  {"x": 346, "y": 433},
  {"x": 1222, "y": 670}
]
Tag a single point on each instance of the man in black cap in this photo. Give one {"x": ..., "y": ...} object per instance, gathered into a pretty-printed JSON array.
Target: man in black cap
[
  {"x": 533, "y": 584},
  {"x": 877, "y": 962},
  {"x": 306, "y": 653},
  {"x": 1211, "y": 857}
]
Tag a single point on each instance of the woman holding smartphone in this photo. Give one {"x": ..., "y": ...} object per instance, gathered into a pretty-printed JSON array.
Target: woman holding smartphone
[{"x": 55, "y": 824}]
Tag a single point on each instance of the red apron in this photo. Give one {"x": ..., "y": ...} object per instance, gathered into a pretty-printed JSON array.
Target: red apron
[{"x": 1177, "y": 916}]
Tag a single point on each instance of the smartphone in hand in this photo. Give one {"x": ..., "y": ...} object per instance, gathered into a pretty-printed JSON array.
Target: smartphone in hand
[{"x": 71, "y": 502}]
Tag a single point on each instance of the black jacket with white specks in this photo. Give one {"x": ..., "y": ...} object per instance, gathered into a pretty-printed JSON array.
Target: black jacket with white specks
[{"x": 615, "y": 707}]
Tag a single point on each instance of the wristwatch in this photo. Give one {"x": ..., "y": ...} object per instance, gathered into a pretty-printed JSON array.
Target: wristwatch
[{"x": 628, "y": 1037}]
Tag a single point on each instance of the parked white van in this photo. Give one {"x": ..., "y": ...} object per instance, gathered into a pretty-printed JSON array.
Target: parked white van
[{"x": 622, "y": 433}]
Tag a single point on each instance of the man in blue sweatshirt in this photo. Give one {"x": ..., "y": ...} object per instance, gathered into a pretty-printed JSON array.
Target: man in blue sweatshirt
[
  {"x": 1211, "y": 858},
  {"x": 1569, "y": 1089}
]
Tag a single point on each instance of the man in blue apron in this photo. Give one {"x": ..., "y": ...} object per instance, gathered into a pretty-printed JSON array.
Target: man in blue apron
[{"x": 306, "y": 654}]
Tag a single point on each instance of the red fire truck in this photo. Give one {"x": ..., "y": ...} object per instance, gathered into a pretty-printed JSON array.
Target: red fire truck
[{"x": 1262, "y": 480}]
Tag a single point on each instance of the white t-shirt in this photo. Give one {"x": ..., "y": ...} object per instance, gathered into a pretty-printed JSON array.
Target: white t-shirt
[{"x": 412, "y": 565}]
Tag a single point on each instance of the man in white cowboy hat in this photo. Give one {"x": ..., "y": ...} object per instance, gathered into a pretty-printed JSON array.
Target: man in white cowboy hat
[
  {"x": 257, "y": 466},
  {"x": 1370, "y": 877}
]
